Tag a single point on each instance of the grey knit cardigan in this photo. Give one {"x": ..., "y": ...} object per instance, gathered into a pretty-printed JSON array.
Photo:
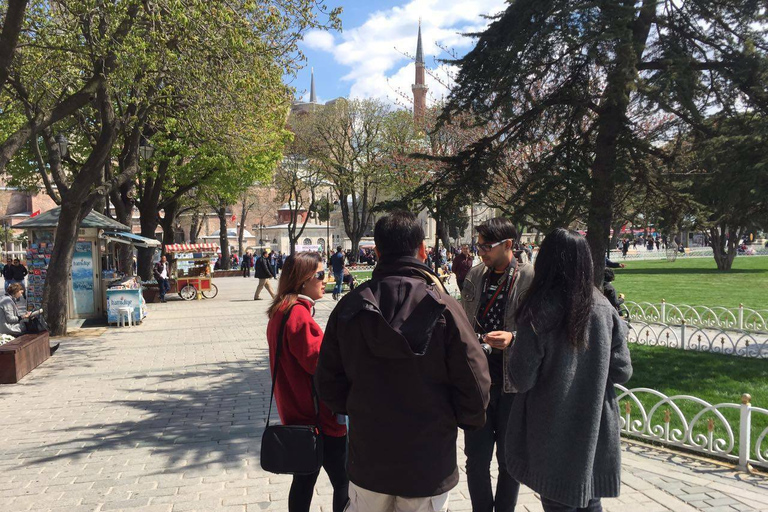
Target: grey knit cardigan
[{"x": 563, "y": 436}]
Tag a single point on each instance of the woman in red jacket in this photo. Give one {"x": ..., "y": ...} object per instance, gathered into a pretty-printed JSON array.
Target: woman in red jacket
[{"x": 301, "y": 284}]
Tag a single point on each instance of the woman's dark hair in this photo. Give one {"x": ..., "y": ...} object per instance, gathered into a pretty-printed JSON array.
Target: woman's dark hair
[
  {"x": 497, "y": 229},
  {"x": 297, "y": 270},
  {"x": 398, "y": 234},
  {"x": 563, "y": 276}
]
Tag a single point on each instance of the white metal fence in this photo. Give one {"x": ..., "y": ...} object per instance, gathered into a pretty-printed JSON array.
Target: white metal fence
[
  {"x": 741, "y": 318},
  {"x": 723, "y": 431},
  {"x": 699, "y": 339}
]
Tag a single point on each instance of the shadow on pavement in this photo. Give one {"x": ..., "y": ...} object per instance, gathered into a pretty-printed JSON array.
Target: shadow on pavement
[{"x": 193, "y": 417}]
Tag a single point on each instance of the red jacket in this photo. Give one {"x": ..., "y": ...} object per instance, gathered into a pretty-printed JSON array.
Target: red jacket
[{"x": 298, "y": 361}]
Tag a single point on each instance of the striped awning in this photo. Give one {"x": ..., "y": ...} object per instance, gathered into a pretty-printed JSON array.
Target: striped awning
[{"x": 192, "y": 248}]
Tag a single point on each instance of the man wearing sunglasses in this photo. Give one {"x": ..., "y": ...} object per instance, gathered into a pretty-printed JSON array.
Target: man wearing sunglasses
[{"x": 490, "y": 297}]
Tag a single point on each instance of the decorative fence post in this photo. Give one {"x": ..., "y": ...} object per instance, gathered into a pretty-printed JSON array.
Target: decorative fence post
[
  {"x": 741, "y": 316},
  {"x": 663, "y": 311},
  {"x": 682, "y": 334},
  {"x": 745, "y": 431}
]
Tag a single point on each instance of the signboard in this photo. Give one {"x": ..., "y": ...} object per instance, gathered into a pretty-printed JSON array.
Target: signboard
[
  {"x": 122, "y": 298},
  {"x": 83, "y": 279},
  {"x": 307, "y": 248}
]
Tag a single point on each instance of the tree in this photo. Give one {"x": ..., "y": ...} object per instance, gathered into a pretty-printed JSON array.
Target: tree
[
  {"x": 297, "y": 181},
  {"x": 543, "y": 68},
  {"x": 346, "y": 139},
  {"x": 732, "y": 189},
  {"x": 110, "y": 73}
]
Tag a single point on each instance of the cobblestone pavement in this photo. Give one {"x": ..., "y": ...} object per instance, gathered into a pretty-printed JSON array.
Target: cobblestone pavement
[{"x": 167, "y": 416}]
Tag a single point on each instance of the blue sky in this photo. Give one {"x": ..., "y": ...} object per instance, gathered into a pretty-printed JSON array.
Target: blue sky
[{"x": 366, "y": 59}]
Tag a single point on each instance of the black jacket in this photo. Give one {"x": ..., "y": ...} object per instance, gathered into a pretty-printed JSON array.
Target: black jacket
[
  {"x": 401, "y": 359},
  {"x": 15, "y": 272},
  {"x": 158, "y": 269},
  {"x": 262, "y": 269}
]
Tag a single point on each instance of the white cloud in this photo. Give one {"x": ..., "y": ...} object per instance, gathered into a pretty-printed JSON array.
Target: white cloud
[
  {"x": 373, "y": 52},
  {"x": 319, "y": 40}
]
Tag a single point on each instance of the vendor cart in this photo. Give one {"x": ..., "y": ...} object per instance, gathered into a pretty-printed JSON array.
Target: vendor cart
[{"x": 191, "y": 275}]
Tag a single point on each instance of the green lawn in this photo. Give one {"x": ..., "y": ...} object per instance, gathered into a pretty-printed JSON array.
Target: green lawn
[
  {"x": 696, "y": 281},
  {"x": 711, "y": 377}
]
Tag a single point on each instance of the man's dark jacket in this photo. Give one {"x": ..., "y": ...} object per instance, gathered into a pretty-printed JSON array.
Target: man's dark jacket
[
  {"x": 263, "y": 270},
  {"x": 401, "y": 359},
  {"x": 157, "y": 270}
]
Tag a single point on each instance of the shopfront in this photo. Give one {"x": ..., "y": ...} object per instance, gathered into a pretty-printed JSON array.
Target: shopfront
[{"x": 93, "y": 271}]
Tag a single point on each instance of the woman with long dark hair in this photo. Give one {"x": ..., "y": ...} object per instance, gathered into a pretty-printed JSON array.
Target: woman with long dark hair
[
  {"x": 563, "y": 437},
  {"x": 301, "y": 284}
]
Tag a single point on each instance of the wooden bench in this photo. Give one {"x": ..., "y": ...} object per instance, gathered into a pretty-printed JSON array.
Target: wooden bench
[{"x": 22, "y": 355}]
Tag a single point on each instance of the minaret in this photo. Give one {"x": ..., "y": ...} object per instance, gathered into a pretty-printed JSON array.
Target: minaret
[
  {"x": 312, "y": 96},
  {"x": 420, "y": 87}
]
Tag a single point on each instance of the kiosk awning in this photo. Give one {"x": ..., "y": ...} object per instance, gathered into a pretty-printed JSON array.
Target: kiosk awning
[
  {"x": 131, "y": 238},
  {"x": 191, "y": 248}
]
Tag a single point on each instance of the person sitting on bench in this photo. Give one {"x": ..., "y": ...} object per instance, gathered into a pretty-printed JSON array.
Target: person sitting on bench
[{"x": 12, "y": 321}]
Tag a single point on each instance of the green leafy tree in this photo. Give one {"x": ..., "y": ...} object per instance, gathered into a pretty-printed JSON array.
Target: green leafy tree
[
  {"x": 109, "y": 74},
  {"x": 587, "y": 75}
]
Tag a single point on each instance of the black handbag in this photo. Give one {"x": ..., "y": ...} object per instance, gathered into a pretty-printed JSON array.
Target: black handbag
[{"x": 291, "y": 449}]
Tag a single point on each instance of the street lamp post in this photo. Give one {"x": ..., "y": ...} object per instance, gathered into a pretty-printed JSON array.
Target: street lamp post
[{"x": 328, "y": 226}]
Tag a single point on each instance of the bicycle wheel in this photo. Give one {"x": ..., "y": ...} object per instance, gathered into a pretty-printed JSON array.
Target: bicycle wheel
[
  {"x": 188, "y": 292},
  {"x": 209, "y": 294}
]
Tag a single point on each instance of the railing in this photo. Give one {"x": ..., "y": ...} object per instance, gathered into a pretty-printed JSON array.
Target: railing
[
  {"x": 684, "y": 337},
  {"x": 653, "y": 416},
  {"x": 741, "y": 318}
]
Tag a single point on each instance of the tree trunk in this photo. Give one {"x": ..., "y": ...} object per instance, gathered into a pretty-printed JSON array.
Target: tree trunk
[
  {"x": 145, "y": 254},
  {"x": 223, "y": 239},
  {"x": 241, "y": 228},
  {"x": 616, "y": 234},
  {"x": 194, "y": 227},
  {"x": 168, "y": 223},
  {"x": 56, "y": 293},
  {"x": 124, "y": 214},
  {"x": 723, "y": 249},
  {"x": 14, "y": 19},
  {"x": 613, "y": 109}
]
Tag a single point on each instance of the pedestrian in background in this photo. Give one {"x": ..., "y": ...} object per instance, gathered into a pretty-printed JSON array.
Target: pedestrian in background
[
  {"x": 563, "y": 436},
  {"x": 263, "y": 272},
  {"x": 462, "y": 265},
  {"x": 302, "y": 284},
  {"x": 246, "y": 263},
  {"x": 337, "y": 265},
  {"x": 8, "y": 273},
  {"x": 400, "y": 359},
  {"x": 162, "y": 273}
]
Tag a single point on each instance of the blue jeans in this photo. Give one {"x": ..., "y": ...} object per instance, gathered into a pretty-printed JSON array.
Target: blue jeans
[
  {"x": 478, "y": 445},
  {"x": 339, "y": 281},
  {"x": 164, "y": 286}
]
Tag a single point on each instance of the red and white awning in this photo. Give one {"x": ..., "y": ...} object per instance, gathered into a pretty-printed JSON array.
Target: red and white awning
[{"x": 192, "y": 248}]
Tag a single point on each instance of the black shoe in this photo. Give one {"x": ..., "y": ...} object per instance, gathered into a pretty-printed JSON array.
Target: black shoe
[
  {"x": 162, "y": 300},
  {"x": 55, "y": 348}
]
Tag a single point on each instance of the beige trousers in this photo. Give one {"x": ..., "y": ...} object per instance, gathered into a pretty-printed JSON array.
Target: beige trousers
[
  {"x": 363, "y": 500},
  {"x": 263, "y": 283}
]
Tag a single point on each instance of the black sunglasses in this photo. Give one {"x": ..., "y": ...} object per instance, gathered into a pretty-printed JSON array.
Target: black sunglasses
[{"x": 320, "y": 275}]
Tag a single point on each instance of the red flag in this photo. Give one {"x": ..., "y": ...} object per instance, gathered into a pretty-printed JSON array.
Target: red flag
[
  {"x": 35, "y": 214},
  {"x": 234, "y": 218}
]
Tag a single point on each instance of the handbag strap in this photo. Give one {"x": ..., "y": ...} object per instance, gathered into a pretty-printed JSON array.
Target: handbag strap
[{"x": 278, "y": 351}]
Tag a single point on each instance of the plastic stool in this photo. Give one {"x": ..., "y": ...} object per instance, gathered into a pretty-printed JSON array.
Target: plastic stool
[{"x": 125, "y": 316}]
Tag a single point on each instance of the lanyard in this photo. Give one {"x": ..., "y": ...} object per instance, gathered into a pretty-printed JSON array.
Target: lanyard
[{"x": 507, "y": 285}]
